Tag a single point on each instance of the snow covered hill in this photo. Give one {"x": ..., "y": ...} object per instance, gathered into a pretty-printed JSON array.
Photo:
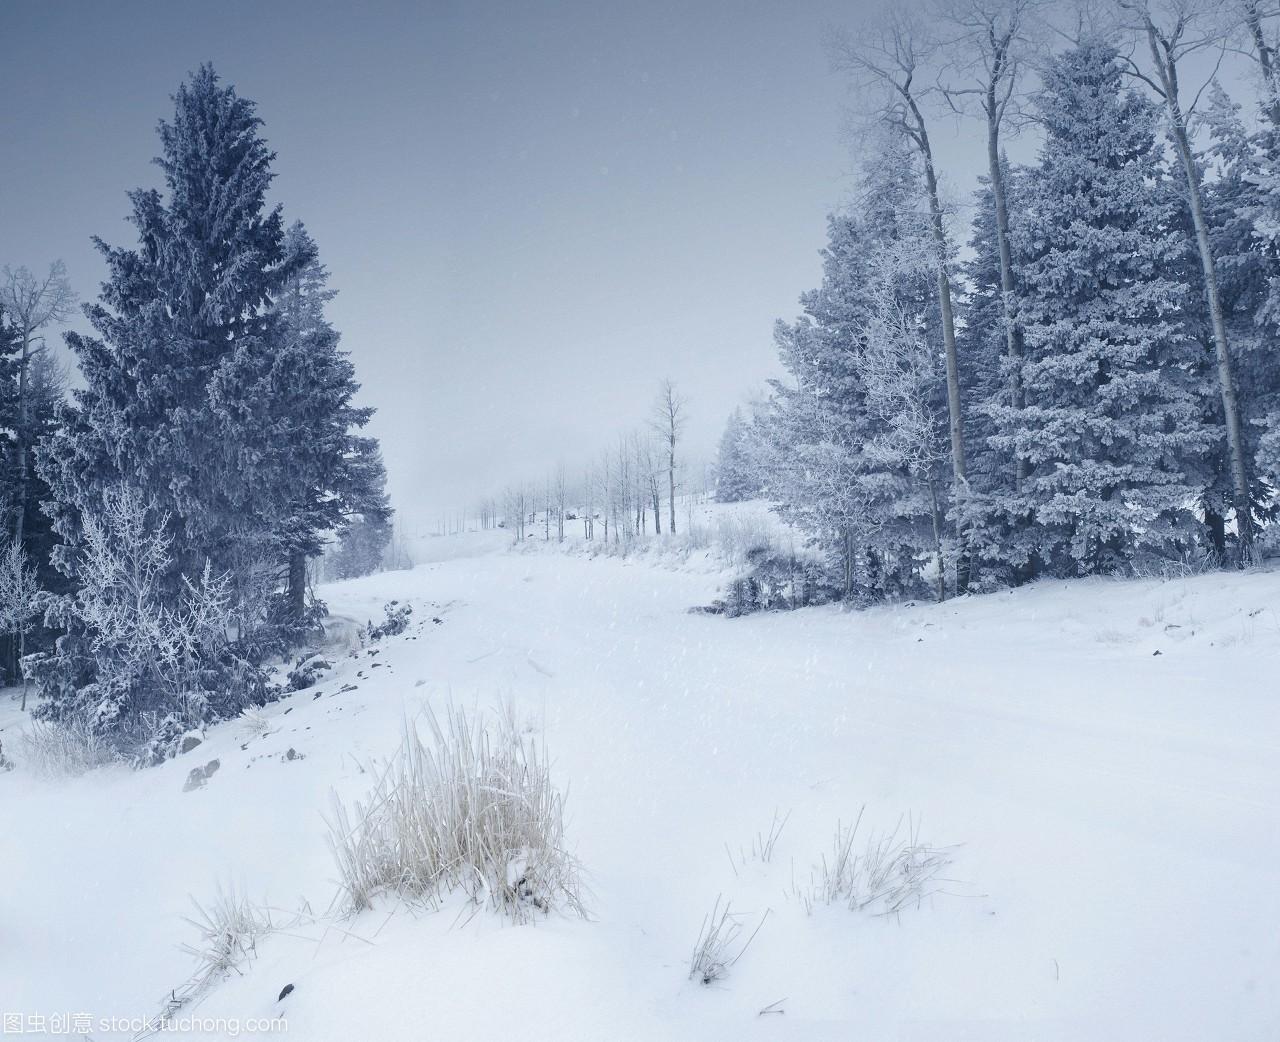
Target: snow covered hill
[{"x": 1103, "y": 753}]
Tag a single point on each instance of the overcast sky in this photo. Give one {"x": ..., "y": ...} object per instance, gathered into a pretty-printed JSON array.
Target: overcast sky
[{"x": 532, "y": 211}]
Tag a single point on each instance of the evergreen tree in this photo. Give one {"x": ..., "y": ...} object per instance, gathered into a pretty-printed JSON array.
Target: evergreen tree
[
  {"x": 841, "y": 465},
  {"x": 1114, "y": 424},
  {"x": 998, "y": 538},
  {"x": 10, "y": 345},
  {"x": 1242, "y": 203},
  {"x": 179, "y": 316},
  {"x": 158, "y": 422},
  {"x": 46, "y": 396},
  {"x": 299, "y": 428},
  {"x": 361, "y": 547},
  {"x": 10, "y": 450},
  {"x": 736, "y": 477}
]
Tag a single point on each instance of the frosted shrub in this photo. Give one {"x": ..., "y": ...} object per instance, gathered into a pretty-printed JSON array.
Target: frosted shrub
[
  {"x": 254, "y": 723},
  {"x": 473, "y": 809},
  {"x": 142, "y": 646}
]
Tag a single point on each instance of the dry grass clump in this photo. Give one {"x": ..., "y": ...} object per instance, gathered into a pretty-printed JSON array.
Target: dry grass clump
[
  {"x": 472, "y": 808},
  {"x": 717, "y": 947},
  {"x": 64, "y": 748},
  {"x": 892, "y": 871}
]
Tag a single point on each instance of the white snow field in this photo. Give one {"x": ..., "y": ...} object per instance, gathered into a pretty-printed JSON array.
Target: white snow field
[{"x": 1104, "y": 753}]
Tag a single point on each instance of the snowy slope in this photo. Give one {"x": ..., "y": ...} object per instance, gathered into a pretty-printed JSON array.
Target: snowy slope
[{"x": 1117, "y": 810}]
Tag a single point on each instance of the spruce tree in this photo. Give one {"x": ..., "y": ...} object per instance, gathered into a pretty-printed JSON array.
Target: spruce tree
[
  {"x": 736, "y": 479},
  {"x": 836, "y": 463},
  {"x": 180, "y": 317},
  {"x": 1242, "y": 204},
  {"x": 293, "y": 411},
  {"x": 1114, "y": 425},
  {"x": 998, "y": 534},
  {"x": 177, "y": 316}
]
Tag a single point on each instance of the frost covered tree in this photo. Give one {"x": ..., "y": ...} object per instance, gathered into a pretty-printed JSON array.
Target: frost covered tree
[
  {"x": 736, "y": 475},
  {"x": 991, "y": 44},
  {"x": 670, "y": 414},
  {"x": 298, "y": 427},
  {"x": 904, "y": 388},
  {"x": 32, "y": 383},
  {"x": 362, "y": 547},
  {"x": 834, "y": 463},
  {"x": 999, "y": 528},
  {"x": 895, "y": 64},
  {"x": 1234, "y": 200},
  {"x": 135, "y": 662},
  {"x": 19, "y": 599},
  {"x": 32, "y": 302},
  {"x": 215, "y": 394},
  {"x": 1174, "y": 32},
  {"x": 1113, "y": 427},
  {"x": 178, "y": 317},
  {"x": 1243, "y": 212}
]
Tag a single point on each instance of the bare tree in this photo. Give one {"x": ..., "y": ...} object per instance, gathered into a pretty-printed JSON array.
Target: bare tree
[
  {"x": 991, "y": 39},
  {"x": 1255, "y": 15},
  {"x": 652, "y": 472},
  {"x": 588, "y": 504},
  {"x": 32, "y": 303},
  {"x": 561, "y": 493},
  {"x": 892, "y": 60},
  {"x": 513, "y": 508},
  {"x": 1175, "y": 30},
  {"x": 669, "y": 418},
  {"x": 18, "y": 604},
  {"x": 606, "y": 493},
  {"x": 622, "y": 489}
]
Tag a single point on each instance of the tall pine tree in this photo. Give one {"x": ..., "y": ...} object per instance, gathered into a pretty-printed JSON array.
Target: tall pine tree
[
  {"x": 1114, "y": 428},
  {"x": 216, "y": 400}
]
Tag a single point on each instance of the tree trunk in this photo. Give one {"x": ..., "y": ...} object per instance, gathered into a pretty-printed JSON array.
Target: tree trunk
[
  {"x": 1266, "y": 60},
  {"x": 296, "y": 592},
  {"x": 1012, "y": 328},
  {"x": 20, "y": 522},
  {"x": 671, "y": 485},
  {"x": 935, "y": 514},
  {"x": 1216, "y": 527},
  {"x": 22, "y": 650},
  {"x": 956, "y": 423},
  {"x": 1226, "y": 379}
]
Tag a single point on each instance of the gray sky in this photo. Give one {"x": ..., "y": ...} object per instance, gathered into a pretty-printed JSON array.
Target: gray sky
[{"x": 532, "y": 211}]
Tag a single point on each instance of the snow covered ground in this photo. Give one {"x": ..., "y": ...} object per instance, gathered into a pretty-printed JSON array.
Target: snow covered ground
[{"x": 1104, "y": 752}]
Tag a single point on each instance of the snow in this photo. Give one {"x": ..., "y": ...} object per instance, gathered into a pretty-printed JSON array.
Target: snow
[{"x": 1115, "y": 810}]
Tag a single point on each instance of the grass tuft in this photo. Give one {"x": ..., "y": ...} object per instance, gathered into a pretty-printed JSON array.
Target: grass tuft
[{"x": 473, "y": 809}]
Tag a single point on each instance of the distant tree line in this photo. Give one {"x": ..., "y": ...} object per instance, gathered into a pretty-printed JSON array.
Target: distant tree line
[{"x": 632, "y": 491}]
